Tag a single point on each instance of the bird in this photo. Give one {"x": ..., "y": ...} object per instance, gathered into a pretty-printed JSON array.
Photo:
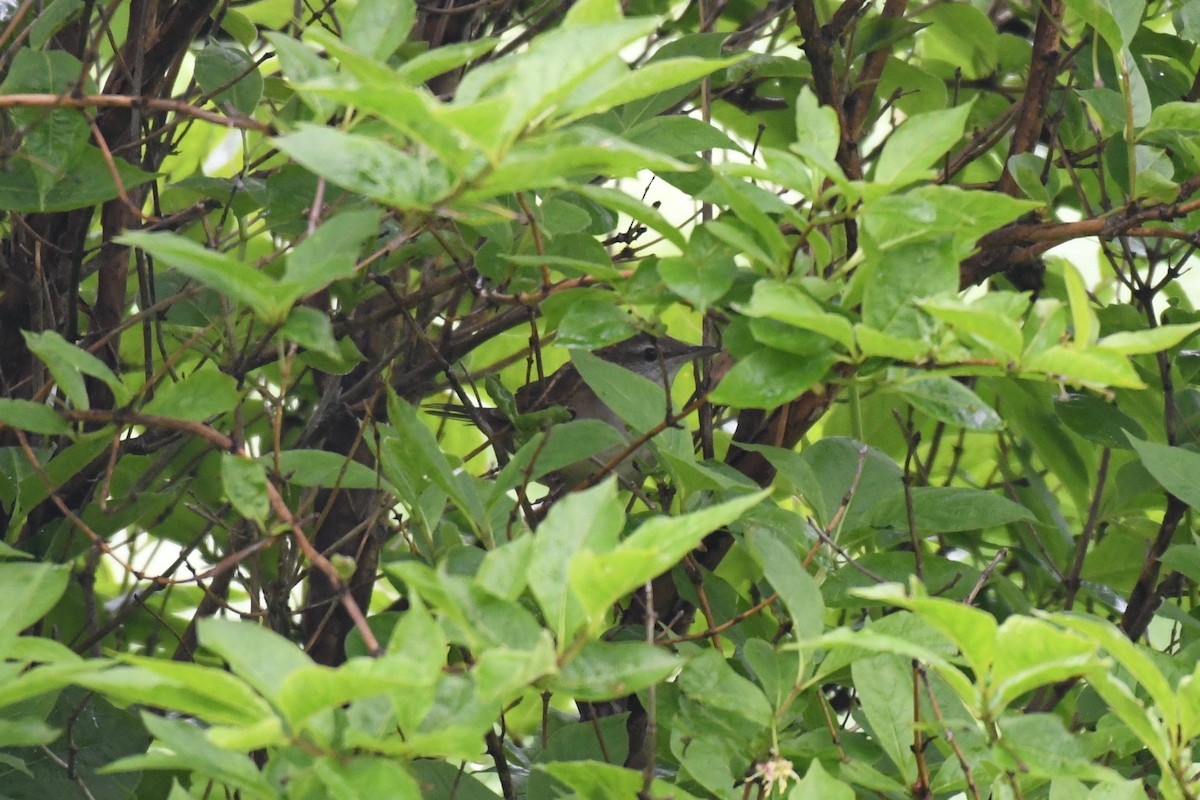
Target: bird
[{"x": 564, "y": 395}]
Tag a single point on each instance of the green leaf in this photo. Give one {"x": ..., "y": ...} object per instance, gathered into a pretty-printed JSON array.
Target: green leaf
[
  {"x": 1115, "y": 20},
  {"x": 787, "y": 575},
  {"x": 707, "y": 759},
  {"x": 1152, "y": 340},
  {"x": 97, "y": 733},
  {"x": 27, "y": 189},
  {"x": 934, "y": 213},
  {"x": 677, "y": 135},
  {"x": 771, "y": 668},
  {"x": 1187, "y": 21},
  {"x": 416, "y": 446},
  {"x": 311, "y": 329},
  {"x": 245, "y": 484},
  {"x": 1040, "y": 745},
  {"x": 558, "y": 62},
  {"x": 53, "y": 140},
  {"x": 634, "y": 208},
  {"x": 647, "y": 80},
  {"x": 901, "y": 274},
  {"x": 952, "y": 508},
  {"x": 962, "y": 36},
  {"x": 329, "y": 254},
  {"x": 703, "y": 45},
  {"x": 1027, "y": 170},
  {"x": 637, "y": 400},
  {"x": 207, "y": 692},
  {"x": 789, "y": 304},
  {"x": 325, "y": 469},
  {"x": 599, "y": 580},
  {"x": 701, "y": 283},
  {"x": 1132, "y": 712},
  {"x": 442, "y": 779},
  {"x": 34, "y": 417},
  {"x": 311, "y": 689},
  {"x": 30, "y": 591},
  {"x": 592, "y": 12},
  {"x": 1174, "y": 468},
  {"x": 257, "y": 655},
  {"x": 1083, "y": 318},
  {"x": 1131, "y": 656},
  {"x": 591, "y": 521},
  {"x": 309, "y": 332},
  {"x": 50, "y": 21},
  {"x": 996, "y": 330},
  {"x": 416, "y": 647},
  {"x": 597, "y": 780},
  {"x": 874, "y": 343},
  {"x": 574, "y": 253},
  {"x": 1183, "y": 558},
  {"x": 1097, "y": 421},
  {"x": 184, "y": 746},
  {"x": 302, "y": 64},
  {"x": 218, "y": 66},
  {"x": 918, "y": 143},
  {"x": 561, "y": 445},
  {"x": 1189, "y": 704},
  {"x": 366, "y": 776},
  {"x": 769, "y": 378},
  {"x": 26, "y": 732},
  {"x": 709, "y": 679},
  {"x": 608, "y": 670},
  {"x": 502, "y": 572},
  {"x": 377, "y": 27},
  {"x": 442, "y": 59},
  {"x": 884, "y": 685},
  {"x": 239, "y": 26},
  {"x": 1031, "y": 653},
  {"x": 580, "y": 151},
  {"x": 827, "y": 471},
  {"x": 369, "y": 166},
  {"x": 949, "y": 401},
  {"x": 68, "y": 364},
  {"x": 973, "y": 631},
  {"x": 817, "y": 133},
  {"x": 237, "y": 281},
  {"x": 205, "y": 393},
  {"x": 751, "y": 208},
  {"x": 1093, "y": 367},
  {"x": 62, "y": 467},
  {"x": 819, "y": 783},
  {"x": 1172, "y": 118}
]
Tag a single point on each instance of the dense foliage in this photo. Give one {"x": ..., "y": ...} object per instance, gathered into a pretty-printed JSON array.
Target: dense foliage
[{"x": 921, "y": 529}]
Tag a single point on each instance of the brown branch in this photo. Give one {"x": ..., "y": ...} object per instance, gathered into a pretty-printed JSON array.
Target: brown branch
[
  {"x": 858, "y": 103},
  {"x": 1073, "y": 580},
  {"x": 1009, "y": 245},
  {"x": 1145, "y": 598},
  {"x": 131, "y": 102},
  {"x": 714, "y": 630},
  {"x": 75, "y": 519},
  {"x": 214, "y": 437},
  {"x": 1043, "y": 71},
  {"x": 818, "y": 50}
]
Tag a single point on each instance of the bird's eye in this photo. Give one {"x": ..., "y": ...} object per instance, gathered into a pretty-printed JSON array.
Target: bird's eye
[{"x": 650, "y": 353}]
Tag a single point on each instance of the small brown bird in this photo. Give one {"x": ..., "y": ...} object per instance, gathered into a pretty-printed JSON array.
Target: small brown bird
[{"x": 564, "y": 395}]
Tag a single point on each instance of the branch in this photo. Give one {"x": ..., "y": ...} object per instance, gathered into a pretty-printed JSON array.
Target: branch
[
  {"x": 223, "y": 442},
  {"x": 131, "y": 101},
  {"x": 1043, "y": 71},
  {"x": 1020, "y": 241}
]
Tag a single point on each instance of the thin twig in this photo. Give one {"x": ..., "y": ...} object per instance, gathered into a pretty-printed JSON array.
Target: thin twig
[{"x": 38, "y": 100}]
